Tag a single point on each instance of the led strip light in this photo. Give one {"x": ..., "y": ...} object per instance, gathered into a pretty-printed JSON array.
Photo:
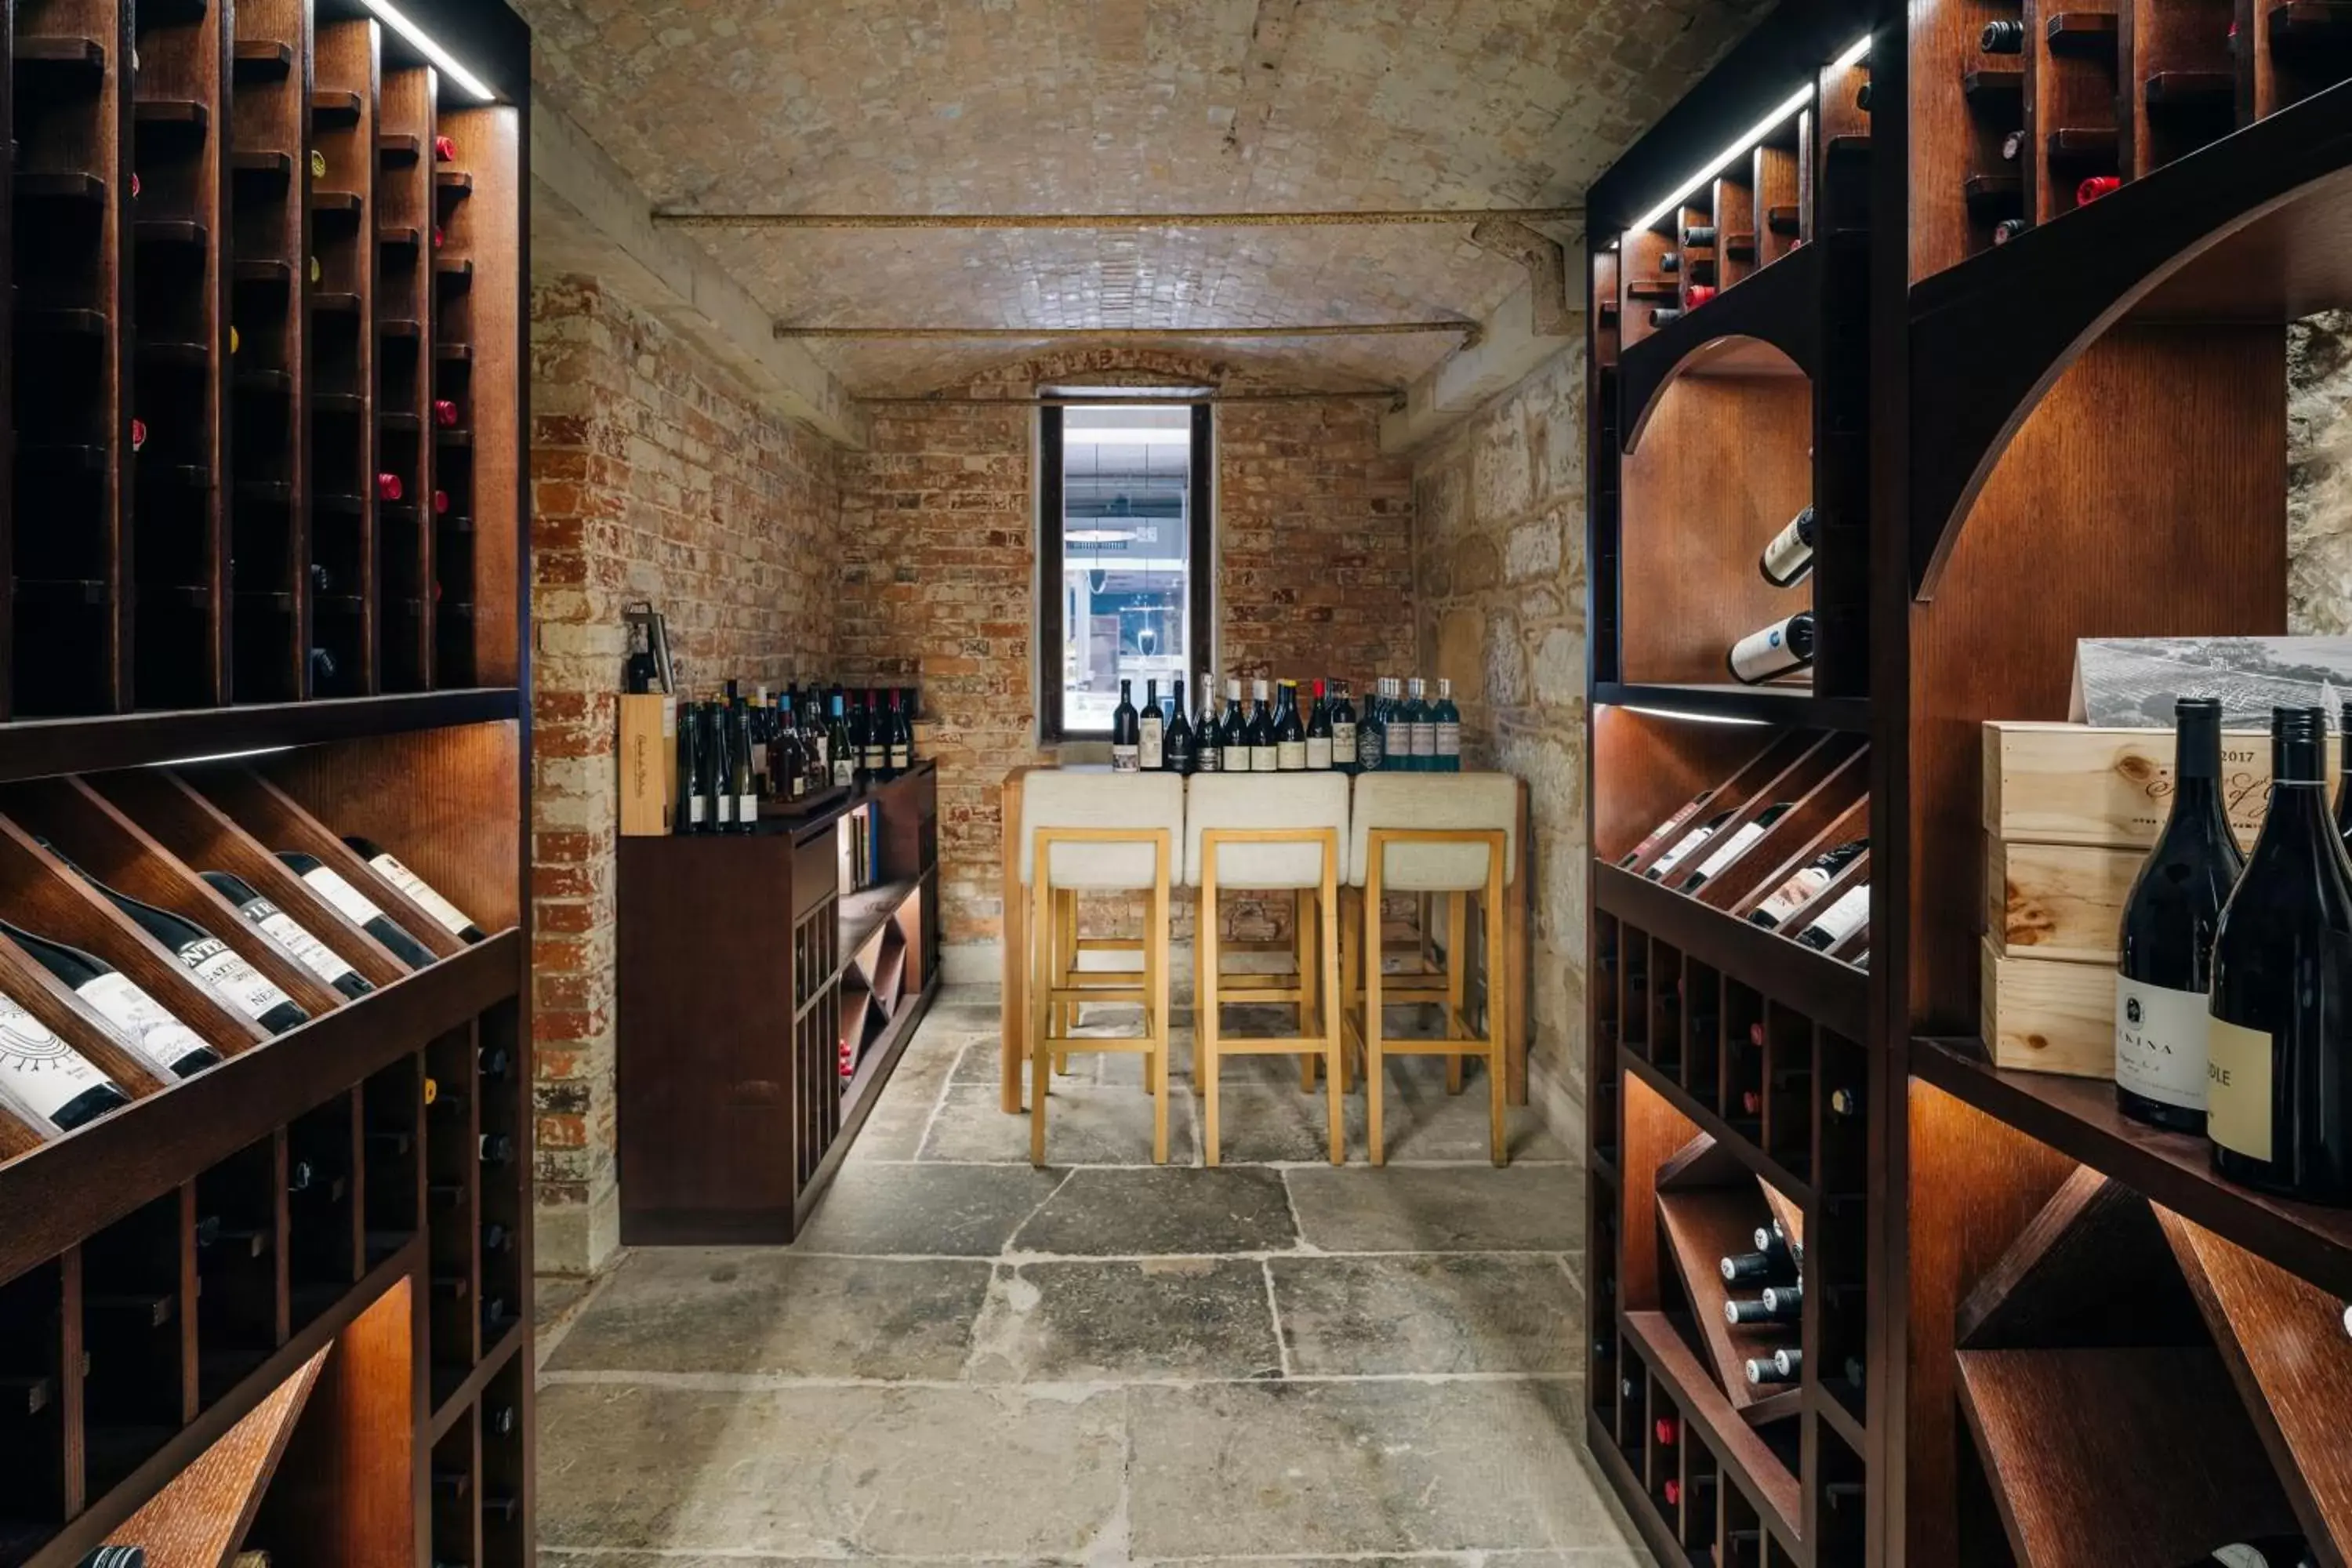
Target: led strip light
[
  {"x": 1763, "y": 128},
  {"x": 424, "y": 45}
]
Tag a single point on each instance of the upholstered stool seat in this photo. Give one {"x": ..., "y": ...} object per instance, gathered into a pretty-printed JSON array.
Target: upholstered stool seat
[
  {"x": 1094, "y": 833},
  {"x": 1269, "y": 833},
  {"x": 1453, "y": 835}
]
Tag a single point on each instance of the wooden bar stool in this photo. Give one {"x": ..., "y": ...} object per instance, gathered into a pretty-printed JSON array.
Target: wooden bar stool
[
  {"x": 1261, "y": 833},
  {"x": 1453, "y": 833},
  {"x": 1088, "y": 833}
]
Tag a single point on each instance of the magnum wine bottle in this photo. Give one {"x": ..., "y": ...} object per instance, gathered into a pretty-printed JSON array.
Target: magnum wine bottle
[
  {"x": 2165, "y": 971},
  {"x": 1807, "y": 881},
  {"x": 1789, "y": 558},
  {"x": 1772, "y": 650},
  {"x": 453, "y": 919},
  {"x": 141, "y": 1025},
  {"x": 357, "y": 908},
  {"x": 1126, "y": 732},
  {"x": 1151, "y": 731},
  {"x": 2279, "y": 1099},
  {"x": 245, "y": 988},
  {"x": 1733, "y": 848}
]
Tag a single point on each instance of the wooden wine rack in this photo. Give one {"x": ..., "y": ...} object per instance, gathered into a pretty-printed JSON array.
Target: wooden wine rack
[
  {"x": 2018, "y": 1306},
  {"x": 283, "y": 1304}
]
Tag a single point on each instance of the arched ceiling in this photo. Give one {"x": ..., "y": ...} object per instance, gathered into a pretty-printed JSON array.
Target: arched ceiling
[{"x": 1036, "y": 106}]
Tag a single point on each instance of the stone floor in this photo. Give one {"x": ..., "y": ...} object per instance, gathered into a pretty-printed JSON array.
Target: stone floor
[{"x": 965, "y": 1360}]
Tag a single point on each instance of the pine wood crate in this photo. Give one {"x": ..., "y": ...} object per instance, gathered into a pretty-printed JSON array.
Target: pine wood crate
[{"x": 2070, "y": 812}]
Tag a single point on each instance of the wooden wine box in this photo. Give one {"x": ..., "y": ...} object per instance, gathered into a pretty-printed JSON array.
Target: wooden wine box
[
  {"x": 2070, "y": 812},
  {"x": 648, "y": 764}
]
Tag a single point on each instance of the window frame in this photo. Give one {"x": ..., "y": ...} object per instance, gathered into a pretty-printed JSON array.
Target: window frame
[{"x": 1200, "y": 561}]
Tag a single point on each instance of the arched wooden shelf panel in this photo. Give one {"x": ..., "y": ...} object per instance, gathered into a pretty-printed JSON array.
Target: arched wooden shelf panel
[
  {"x": 2253, "y": 228},
  {"x": 1767, "y": 324}
]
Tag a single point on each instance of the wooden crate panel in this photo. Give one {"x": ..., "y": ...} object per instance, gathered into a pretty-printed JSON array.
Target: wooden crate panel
[
  {"x": 2048, "y": 1016},
  {"x": 2057, "y": 900}
]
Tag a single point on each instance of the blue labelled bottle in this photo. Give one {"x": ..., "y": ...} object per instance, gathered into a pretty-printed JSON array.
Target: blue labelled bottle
[
  {"x": 1372, "y": 729},
  {"x": 1446, "y": 724},
  {"x": 1420, "y": 730}
]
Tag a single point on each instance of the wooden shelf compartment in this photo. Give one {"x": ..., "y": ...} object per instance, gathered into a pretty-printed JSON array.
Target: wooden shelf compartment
[
  {"x": 1760, "y": 1473},
  {"x": 2180, "y": 86},
  {"x": 1710, "y": 1207},
  {"x": 1767, "y": 325},
  {"x": 2297, "y": 49}
]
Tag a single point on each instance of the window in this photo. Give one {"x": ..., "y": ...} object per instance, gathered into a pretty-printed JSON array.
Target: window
[{"x": 1124, "y": 542}]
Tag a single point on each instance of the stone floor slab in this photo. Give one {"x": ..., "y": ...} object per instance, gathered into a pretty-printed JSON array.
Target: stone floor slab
[
  {"x": 828, "y": 1472},
  {"x": 894, "y": 1128},
  {"x": 756, "y": 1309},
  {"x": 1468, "y": 1208},
  {"x": 1513, "y": 1312},
  {"x": 1126, "y": 1213},
  {"x": 1347, "y": 1468},
  {"x": 1178, "y": 1316},
  {"x": 953, "y": 1211},
  {"x": 1086, "y": 1124},
  {"x": 1268, "y": 1119}
]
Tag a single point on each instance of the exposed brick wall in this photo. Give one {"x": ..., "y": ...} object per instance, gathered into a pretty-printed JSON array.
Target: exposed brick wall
[
  {"x": 1499, "y": 534},
  {"x": 939, "y": 561},
  {"x": 654, "y": 478}
]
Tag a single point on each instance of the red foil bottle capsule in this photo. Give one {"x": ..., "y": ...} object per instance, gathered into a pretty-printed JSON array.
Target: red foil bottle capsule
[
  {"x": 437, "y": 236},
  {"x": 2098, "y": 185},
  {"x": 388, "y": 487},
  {"x": 445, "y": 413},
  {"x": 440, "y": 503},
  {"x": 138, "y": 434},
  {"x": 445, "y": 149},
  {"x": 1666, "y": 1431},
  {"x": 1699, "y": 294},
  {"x": 1673, "y": 1492}
]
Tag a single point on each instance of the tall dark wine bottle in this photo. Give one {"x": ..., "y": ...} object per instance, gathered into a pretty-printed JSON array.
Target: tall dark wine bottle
[
  {"x": 1263, "y": 753},
  {"x": 242, "y": 987},
  {"x": 902, "y": 734},
  {"x": 878, "y": 736},
  {"x": 1209, "y": 739},
  {"x": 1774, "y": 650},
  {"x": 1318, "y": 733},
  {"x": 1151, "y": 731},
  {"x": 356, "y": 908},
  {"x": 141, "y": 1025},
  {"x": 1126, "y": 732},
  {"x": 1177, "y": 746},
  {"x": 693, "y": 770},
  {"x": 2165, "y": 971},
  {"x": 1343, "y": 728},
  {"x": 2279, "y": 1097},
  {"x": 420, "y": 891},
  {"x": 1289, "y": 731}
]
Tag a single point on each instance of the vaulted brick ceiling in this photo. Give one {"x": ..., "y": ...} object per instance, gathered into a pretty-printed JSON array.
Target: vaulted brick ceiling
[{"x": 1029, "y": 106}]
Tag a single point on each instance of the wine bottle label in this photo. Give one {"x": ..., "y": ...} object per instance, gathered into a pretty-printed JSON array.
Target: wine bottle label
[
  {"x": 1425, "y": 739},
  {"x": 142, "y": 1025},
  {"x": 1841, "y": 920},
  {"x": 1681, "y": 851},
  {"x": 1733, "y": 848},
  {"x": 354, "y": 904},
  {"x": 2238, "y": 1087},
  {"x": 247, "y": 988},
  {"x": 825, "y": 753},
  {"x": 1154, "y": 747},
  {"x": 759, "y": 757},
  {"x": 876, "y": 758},
  {"x": 1319, "y": 753},
  {"x": 321, "y": 960},
  {"x": 1761, "y": 655},
  {"x": 421, "y": 893},
  {"x": 2160, "y": 1043},
  {"x": 902, "y": 757},
  {"x": 1290, "y": 756},
  {"x": 1370, "y": 747},
  {"x": 726, "y": 808},
  {"x": 799, "y": 785},
  {"x": 1265, "y": 759},
  {"x": 44, "y": 1073},
  {"x": 1449, "y": 740},
  {"x": 1787, "y": 557},
  {"x": 844, "y": 772},
  {"x": 1343, "y": 745},
  {"x": 747, "y": 808},
  {"x": 694, "y": 810},
  {"x": 1126, "y": 760},
  {"x": 1796, "y": 892}
]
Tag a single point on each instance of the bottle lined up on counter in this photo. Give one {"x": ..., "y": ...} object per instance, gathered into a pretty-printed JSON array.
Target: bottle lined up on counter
[
  {"x": 734, "y": 752},
  {"x": 2233, "y": 984},
  {"x": 1401, "y": 729},
  {"x": 49, "y": 1084}
]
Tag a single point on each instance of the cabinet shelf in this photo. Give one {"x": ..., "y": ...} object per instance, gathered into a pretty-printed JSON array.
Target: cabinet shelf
[
  {"x": 1813, "y": 983},
  {"x": 1794, "y": 706},
  {"x": 263, "y": 59},
  {"x": 2089, "y": 32}
]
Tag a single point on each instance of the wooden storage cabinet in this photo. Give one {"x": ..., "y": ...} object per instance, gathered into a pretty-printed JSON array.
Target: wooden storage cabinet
[{"x": 763, "y": 1003}]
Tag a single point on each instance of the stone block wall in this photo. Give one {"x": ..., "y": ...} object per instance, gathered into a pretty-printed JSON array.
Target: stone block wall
[
  {"x": 654, "y": 477},
  {"x": 1498, "y": 508}
]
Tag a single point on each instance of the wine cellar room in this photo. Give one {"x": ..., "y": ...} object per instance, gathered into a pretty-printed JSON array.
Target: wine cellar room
[{"x": 628, "y": 933}]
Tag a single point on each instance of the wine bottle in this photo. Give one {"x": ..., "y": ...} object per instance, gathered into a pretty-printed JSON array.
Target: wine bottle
[
  {"x": 1789, "y": 558},
  {"x": 1684, "y": 845},
  {"x": 1766, "y": 1309},
  {"x": 690, "y": 817},
  {"x": 2164, "y": 971},
  {"x": 1670, "y": 262},
  {"x": 740, "y": 779},
  {"x": 1446, "y": 729},
  {"x": 445, "y": 149},
  {"x": 46, "y": 1079},
  {"x": 1318, "y": 733},
  {"x": 1289, "y": 731},
  {"x": 1372, "y": 730},
  {"x": 1264, "y": 750},
  {"x": 1233, "y": 736},
  {"x": 1664, "y": 316},
  {"x": 445, "y": 413},
  {"x": 877, "y": 737},
  {"x": 1772, "y": 650},
  {"x": 1785, "y": 1302},
  {"x": 1126, "y": 732},
  {"x": 116, "y": 1557},
  {"x": 1840, "y": 920},
  {"x": 1698, "y": 236},
  {"x": 2004, "y": 37},
  {"x": 1805, "y": 883},
  {"x": 496, "y": 1149},
  {"x": 357, "y": 908},
  {"x": 839, "y": 747},
  {"x": 1738, "y": 844},
  {"x": 902, "y": 734},
  {"x": 2007, "y": 229},
  {"x": 2279, "y": 1102},
  {"x": 1151, "y": 731},
  {"x": 237, "y": 982},
  {"x": 1699, "y": 1489},
  {"x": 140, "y": 1024},
  {"x": 1665, "y": 830},
  {"x": 1209, "y": 743},
  {"x": 1778, "y": 1367},
  {"x": 2010, "y": 145},
  {"x": 1420, "y": 729},
  {"x": 1343, "y": 728},
  {"x": 1862, "y": 97},
  {"x": 1177, "y": 745},
  {"x": 453, "y": 920},
  {"x": 2260, "y": 1551},
  {"x": 1752, "y": 1268},
  {"x": 714, "y": 717}
]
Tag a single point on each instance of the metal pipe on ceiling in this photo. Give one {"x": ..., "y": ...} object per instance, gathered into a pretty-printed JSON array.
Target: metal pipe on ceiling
[
  {"x": 1384, "y": 217},
  {"x": 1468, "y": 330}
]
